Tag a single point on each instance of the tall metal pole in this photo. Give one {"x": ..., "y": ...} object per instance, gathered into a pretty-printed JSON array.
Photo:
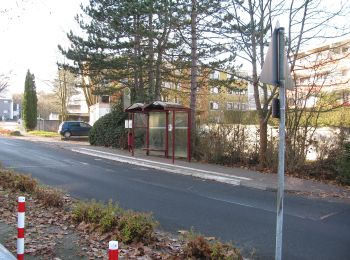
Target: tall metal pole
[{"x": 282, "y": 126}]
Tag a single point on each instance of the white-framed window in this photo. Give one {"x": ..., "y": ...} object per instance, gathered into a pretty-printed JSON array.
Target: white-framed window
[
  {"x": 214, "y": 105},
  {"x": 214, "y": 90},
  {"x": 167, "y": 85},
  {"x": 229, "y": 105},
  {"x": 214, "y": 75}
]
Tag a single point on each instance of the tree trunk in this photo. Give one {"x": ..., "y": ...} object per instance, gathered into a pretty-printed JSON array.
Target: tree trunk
[
  {"x": 263, "y": 143},
  {"x": 194, "y": 70},
  {"x": 151, "y": 83}
]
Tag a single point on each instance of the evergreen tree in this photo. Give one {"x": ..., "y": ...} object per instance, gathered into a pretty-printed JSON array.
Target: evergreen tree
[
  {"x": 125, "y": 44},
  {"x": 30, "y": 100}
]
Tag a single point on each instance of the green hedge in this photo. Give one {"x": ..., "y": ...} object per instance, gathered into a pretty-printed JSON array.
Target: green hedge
[{"x": 109, "y": 130}]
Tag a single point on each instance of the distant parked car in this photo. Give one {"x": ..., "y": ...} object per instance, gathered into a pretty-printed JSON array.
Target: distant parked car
[{"x": 73, "y": 128}]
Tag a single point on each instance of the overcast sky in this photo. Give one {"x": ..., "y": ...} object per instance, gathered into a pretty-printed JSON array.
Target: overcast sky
[{"x": 30, "y": 32}]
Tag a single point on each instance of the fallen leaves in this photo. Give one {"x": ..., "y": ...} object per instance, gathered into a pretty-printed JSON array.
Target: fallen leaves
[{"x": 46, "y": 228}]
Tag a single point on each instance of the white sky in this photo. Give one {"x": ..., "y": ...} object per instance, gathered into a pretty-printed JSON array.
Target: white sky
[{"x": 30, "y": 32}]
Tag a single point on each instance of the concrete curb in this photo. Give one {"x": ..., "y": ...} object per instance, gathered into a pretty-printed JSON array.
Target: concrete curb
[
  {"x": 198, "y": 173},
  {"x": 5, "y": 254}
]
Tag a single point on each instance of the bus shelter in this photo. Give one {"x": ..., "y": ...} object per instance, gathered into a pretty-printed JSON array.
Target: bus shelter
[{"x": 160, "y": 126}]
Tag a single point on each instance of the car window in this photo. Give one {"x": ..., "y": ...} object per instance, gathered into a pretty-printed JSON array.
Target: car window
[
  {"x": 84, "y": 125},
  {"x": 74, "y": 124}
]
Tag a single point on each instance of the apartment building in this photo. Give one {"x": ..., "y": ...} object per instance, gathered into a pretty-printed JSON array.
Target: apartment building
[
  {"x": 215, "y": 95},
  {"x": 324, "y": 69},
  {"x": 6, "y": 109}
]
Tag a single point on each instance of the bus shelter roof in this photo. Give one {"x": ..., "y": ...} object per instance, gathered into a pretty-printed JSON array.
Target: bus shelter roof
[{"x": 155, "y": 106}]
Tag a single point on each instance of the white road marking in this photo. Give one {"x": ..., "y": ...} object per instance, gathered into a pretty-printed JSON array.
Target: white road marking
[
  {"x": 328, "y": 215},
  {"x": 84, "y": 163}
]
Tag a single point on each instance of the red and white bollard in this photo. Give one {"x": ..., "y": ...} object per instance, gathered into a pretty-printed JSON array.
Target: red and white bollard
[
  {"x": 113, "y": 250},
  {"x": 20, "y": 227}
]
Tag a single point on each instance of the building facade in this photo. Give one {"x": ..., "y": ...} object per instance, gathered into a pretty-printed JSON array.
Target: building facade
[
  {"x": 6, "y": 109},
  {"x": 320, "y": 71}
]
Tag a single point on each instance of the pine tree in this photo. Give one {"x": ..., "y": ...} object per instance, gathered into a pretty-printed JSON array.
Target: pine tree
[
  {"x": 125, "y": 46},
  {"x": 30, "y": 100}
]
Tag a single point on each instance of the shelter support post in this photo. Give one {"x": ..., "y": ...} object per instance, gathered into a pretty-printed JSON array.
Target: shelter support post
[
  {"x": 167, "y": 135},
  {"x": 189, "y": 136},
  {"x": 173, "y": 139},
  {"x": 133, "y": 134},
  {"x": 147, "y": 134}
]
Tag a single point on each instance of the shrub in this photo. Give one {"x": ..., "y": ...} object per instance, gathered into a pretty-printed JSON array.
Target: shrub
[
  {"x": 225, "y": 144},
  {"x": 89, "y": 212},
  {"x": 16, "y": 133},
  {"x": 198, "y": 247},
  {"x": 343, "y": 165},
  {"x": 13, "y": 181},
  {"x": 109, "y": 130},
  {"x": 129, "y": 226},
  {"x": 26, "y": 183},
  {"x": 109, "y": 219},
  {"x": 136, "y": 227},
  {"x": 50, "y": 197}
]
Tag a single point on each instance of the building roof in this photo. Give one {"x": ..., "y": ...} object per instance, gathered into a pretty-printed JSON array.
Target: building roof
[{"x": 155, "y": 105}]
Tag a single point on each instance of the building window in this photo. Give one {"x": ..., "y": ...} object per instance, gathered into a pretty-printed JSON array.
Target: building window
[
  {"x": 214, "y": 90},
  {"x": 214, "y": 105},
  {"x": 105, "y": 99},
  {"x": 214, "y": 75},
  {"x": 229, "y": 106}
]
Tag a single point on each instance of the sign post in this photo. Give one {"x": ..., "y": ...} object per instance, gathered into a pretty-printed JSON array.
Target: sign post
[
  {"x": 275, "y": 71},
  {"x": 282, "y": 145}
]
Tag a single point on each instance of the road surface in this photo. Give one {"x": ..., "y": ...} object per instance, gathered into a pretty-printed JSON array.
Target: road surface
[{"x": 314, "y": 229}]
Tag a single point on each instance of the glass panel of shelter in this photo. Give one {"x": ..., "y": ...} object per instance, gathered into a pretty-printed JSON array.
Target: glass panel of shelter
[
  {"x": 157, "y": 130},
  {"x": 140, "y": 129},
  {"x": 181, "y": 130}
]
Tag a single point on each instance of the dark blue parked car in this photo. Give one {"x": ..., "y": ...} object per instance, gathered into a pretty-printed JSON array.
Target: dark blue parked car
[{"x": 74, "y": 128}]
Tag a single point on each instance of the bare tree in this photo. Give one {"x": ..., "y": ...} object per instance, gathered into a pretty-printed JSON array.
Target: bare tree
[
  {"x": 64, "y": 89},
  {"x": 4, "y": 79},
  {"x": 248, "y": 26},
  {"x": 317, "y": 91}
]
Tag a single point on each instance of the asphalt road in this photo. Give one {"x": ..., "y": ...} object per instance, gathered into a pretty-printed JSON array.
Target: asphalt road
[{"x": 313, "y": 229}]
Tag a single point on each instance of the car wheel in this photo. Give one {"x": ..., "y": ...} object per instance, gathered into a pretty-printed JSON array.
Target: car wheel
[{"x": 67, "y": 135}]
